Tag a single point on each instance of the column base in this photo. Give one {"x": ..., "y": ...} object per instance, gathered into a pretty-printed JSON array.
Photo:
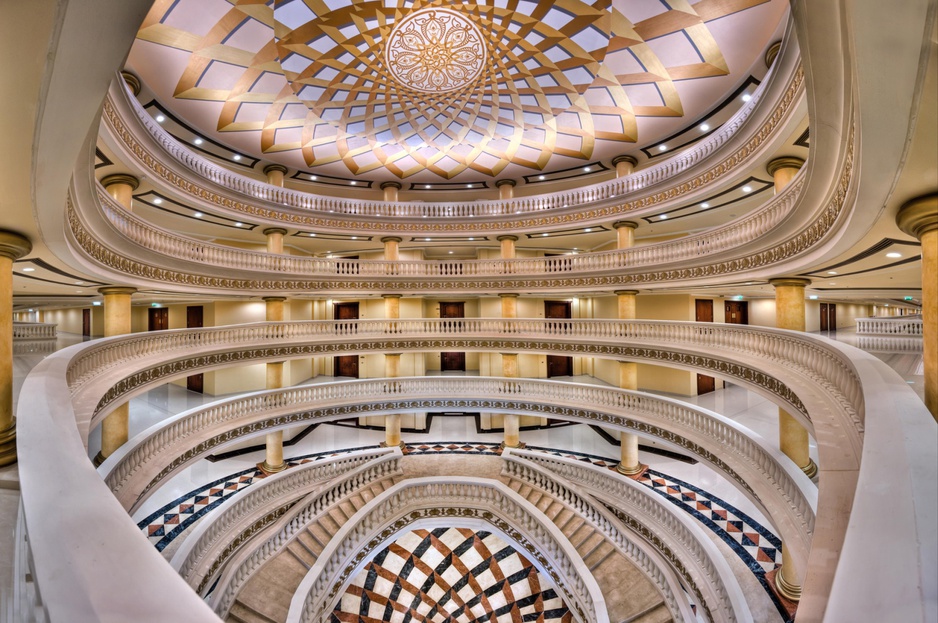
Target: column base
[
  {"x": 400, "y": 445},
  {"x": 632, "y": 472},
  {"x": 8, "y": 445},
  {"x": 774, "y": 580},
  {"x": 269, "y": 469},
  {"x": 98, "y": 459},
  {"x": 521, "y": 445},
  {"x": 810, "y": 470}
]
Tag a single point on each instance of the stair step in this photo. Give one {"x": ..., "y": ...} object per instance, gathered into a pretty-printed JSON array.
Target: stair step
[
  {"x": 545, "y": 502},
  {"x": 554, "y": 510},
  {"x": 321, "y": 534},
  {"x": 535, "y": 496},
  {"x": 348, "y": 507},
  {"x": 564, "y": 517},
  {"x": 329, "y": 525},
  {"x": 310, "y": 542},
  {"x": 589, "y": 543},
  {"x": 301, "y": 554},
  {"x": 575, "y": 526},
  {"x": 599, "y": 555},
  {"x": 242, "y": 613}
]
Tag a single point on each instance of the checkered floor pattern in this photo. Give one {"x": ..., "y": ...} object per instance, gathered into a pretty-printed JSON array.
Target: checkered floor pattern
[
  {"x": 454, "y": 575},
  {"x": 755, "y": 545}
]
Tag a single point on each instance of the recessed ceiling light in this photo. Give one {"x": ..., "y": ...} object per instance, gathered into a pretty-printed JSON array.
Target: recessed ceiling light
[
  {"x": 747, "y": 189},
  {"x": 468, "y": 185},
  {"x": 312, "y": 235},
  {"x": 832, "y": 272},
  {"x": 313, "y": 177},
  {"x": 239, "y": 224},
  {"x": 160, "y": 118},
  {"x": 28, "y": 270},
  {"x": 587, "y": 169},
  {"x": 157, "y": 201},
  {"x": 545, "y": 235},
  {"x": 197, "y": 141},
  {"x": 704, "y": 127},
  {"x": 588, "y": 229},
  {"x": 705, "y": 205},
  {"x": 472, "y": 239},
  {"x": 746, "y": 97},
  {"x": 540, "y": 177},
  {"x": 427, "y": 239},
  {"x": 354, "y": 237},
  {"x": 450, "y": 252},
  {"x": 353, "y": 182},
  {"x": 812, "y": 296},
  {"x": 893, "y": 254},
  {"x": 197, "y": 215},
  {"x": 426, "y": 186},
  {"x": 663, "y": 217},
  {"x": 662, "y": 147},
  {"x": 78, "y": 283},
  {"x": 236, "y": 157},
  {"x": 96, "y": 303},
  {"x": 832, "y": 283}
]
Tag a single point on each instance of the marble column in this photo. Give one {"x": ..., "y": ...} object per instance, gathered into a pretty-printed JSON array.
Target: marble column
[
  {"x": 13, "y": 246},
  {"x": 117, "y": 321},
  {"x": 275, "y": 239},
  {"x": 628, "y": 379},
  {"x": 625, "y": 234},
  {"x": 506, "y": 189},
  {"x": 392, "y": 369},
  {"x": 512, "y": 421},
  {"x": 919, "y": 218},
  {"x": 275, "y": 173},
  {"x": 121, "y": 187},
  {"x": 783, "y": 170},
  {"x": 390, "y": 190},
  {"x": 392, "y": 249},
  {"x": 625, "y": 165},
  {"x": 273, "y": 460}
]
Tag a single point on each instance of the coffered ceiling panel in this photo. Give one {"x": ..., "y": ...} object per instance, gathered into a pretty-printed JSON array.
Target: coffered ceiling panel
[{"x": 430, "y": 90}]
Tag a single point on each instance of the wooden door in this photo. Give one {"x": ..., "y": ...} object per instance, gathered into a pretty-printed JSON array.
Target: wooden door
[
  {"x": 346, "y": 365},
  {"x": 737, "y": 312},
  {"x": 194, "y": 382},
  {"x": 704, "y": 313},
  {"x": 452, "y": 361},
  {"x": 832, "y": 317},
  {"x": 86, "y": 323},
  {"x": 824, "y": 325},
  {"x": 158, "y": 319},
  {"x": 558, "y": 365}
]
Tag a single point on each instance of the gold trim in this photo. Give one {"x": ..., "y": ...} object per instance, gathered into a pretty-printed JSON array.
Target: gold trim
[
  {"x": 919, "y": 216},
  {"x": 120, "y": 178},
  {"x": 13, "y": 245},
  {"x": 785, "y": 162},
  {"x": 108, "y": 290},
  {"x": 270, "y": 168},
  {"x": 274, "y": 230},
  {"x": 772, "y": 53},
  {"x": 789, "y": 281}
]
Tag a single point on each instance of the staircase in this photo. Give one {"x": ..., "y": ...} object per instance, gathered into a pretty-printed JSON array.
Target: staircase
[
  {"x": 630, "y": 597},
  {"x": 265, "y": 598}
]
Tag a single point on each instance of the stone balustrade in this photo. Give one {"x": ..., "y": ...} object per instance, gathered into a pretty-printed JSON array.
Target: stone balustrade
[
  {"x": 831, "y": 386},
  {"x": 896, "y": 325},
  {"x": 24, "y": 331}
]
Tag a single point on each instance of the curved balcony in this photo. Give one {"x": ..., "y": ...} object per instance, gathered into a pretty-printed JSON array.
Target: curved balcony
[
  {"x": 752, "y": 132},
  {"x": 830, "y": 387}
]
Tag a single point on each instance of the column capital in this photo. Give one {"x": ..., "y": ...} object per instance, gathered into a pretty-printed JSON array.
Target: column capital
[
  {"x": 620, "y": 224},
  {"x": 790, "y": 281},
  {"x": 108, "y": 290},
  {"x": 275, "y": 167},
  {"x": 919, "y": 216},
  {"x": 507, "y": 237},
  {"x": 14, "y": 245},
  {"x": 785, "y": 162},
  {"x": 390, "y": 296},
  {"x": 275, "y": 230},
  {"x": 391, "y": 184},
  {"x": 392, "y": 239},
  {"x": 120, "y": 178},
  {"x": 772, "y": 53},
  {"x": 621, "y": 292},
  {"x": 132, "y": 81},
  {"x": 501, "y": 183},
  {"x": 632, "y": 160},
  {"x": 274, "y": 299},
  {"x": 507, "y": 295}
]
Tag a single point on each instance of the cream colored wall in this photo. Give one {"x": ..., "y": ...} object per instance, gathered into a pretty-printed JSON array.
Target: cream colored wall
[
  {"x": 762, "y": 312},
  {"x": 68, "y": 320},
  {"x": 97, "y": 321}
]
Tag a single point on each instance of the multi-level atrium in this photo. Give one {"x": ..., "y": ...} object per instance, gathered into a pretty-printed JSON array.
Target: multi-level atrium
[{"x": 509, "y": 311}]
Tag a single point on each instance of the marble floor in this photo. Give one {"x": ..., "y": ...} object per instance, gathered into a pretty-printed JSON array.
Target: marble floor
[{"x": 748, "y": 409}]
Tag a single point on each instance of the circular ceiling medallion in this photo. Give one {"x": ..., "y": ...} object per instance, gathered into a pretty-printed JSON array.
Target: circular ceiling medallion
[{"x": 435, "y": 50}]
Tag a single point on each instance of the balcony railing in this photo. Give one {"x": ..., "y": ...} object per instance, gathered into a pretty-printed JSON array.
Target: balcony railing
[
  {"x": 899, "y": 325},
  {"x": 25, "y": 331}
]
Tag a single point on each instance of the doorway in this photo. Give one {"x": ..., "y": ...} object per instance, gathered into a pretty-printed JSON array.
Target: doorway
[
  {"x": 449, "y": 361},
  {"x": 194, "y": 382},
  {"x": 558, "y": 365},
  {"x": 703, "y": 312},
  {"x": 346, "y": 365},
  {"x": 158, "y": 319},
  {"x": 737, "y": 312},
  {"x": 828, "y": 317},
  {"x": 86, "y": 323}
]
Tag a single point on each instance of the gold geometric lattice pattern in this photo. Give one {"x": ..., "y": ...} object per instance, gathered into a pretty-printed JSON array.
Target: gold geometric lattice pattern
[{"x": 406, "y": 87}]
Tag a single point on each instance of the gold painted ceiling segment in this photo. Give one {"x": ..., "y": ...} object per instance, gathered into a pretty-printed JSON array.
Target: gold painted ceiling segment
[{"x": 401, "y": 87}]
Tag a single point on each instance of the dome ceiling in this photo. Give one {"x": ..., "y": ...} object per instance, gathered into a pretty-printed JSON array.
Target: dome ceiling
[
  {"x": 450, "y": 575},
  {"x": 432, "y": 90}
]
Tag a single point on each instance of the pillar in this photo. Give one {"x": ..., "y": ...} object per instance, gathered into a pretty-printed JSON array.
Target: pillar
[
  {"x": 390, "y": 190},
  {"x": 783, "y": 170},
  {"x": 624, "y": 165},
  {"x": 275, "y": 173},
  {"x": 12, "y": 247},
  {"x": 275, "y": 239},
  {"x": 273, "y": 459},
  {"x": 121, "y": 187},
  {"x": 512, "y": 421},
  {"x": 629, "y": 464},
  {"x": 114, "y": 428},
  {"x": 392, "y": 369},
  {"x": 392, "y": 250},
  {"x": 506, "y": 189},
  {"x": 625, "y": 234},
  {"x": 792, "y": 436},
  {"x": 508, "y": 246},
  {"x": 772, "y": 53},
  {"x": 919, "y": 218}
]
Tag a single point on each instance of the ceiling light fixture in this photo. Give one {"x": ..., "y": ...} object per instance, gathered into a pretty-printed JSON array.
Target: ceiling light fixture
[
  {"x": 78, "y": 283},
  {"x": 312, "y": 235},
  {"x": 239, "y": 224},
  {"x": 746, "y": 97},
  {"x": 705, "y": 205},
  {"x": 662, "y": 147},
  {"x": 587, "y": 169},
  {"x": 313, "y": 177},
  {"x": 96, "y": 303},
  {"x": 469, "y": 185},
  {"x": 663, "y": 217},
  {"x": 236, "y": 157},
  {"x": 704, "y": 127},
  {"x": 588, "y": 229},
  {"x": 197, "y": 215},
  {"x": 160, "y": 118},
  {"x": 353, "y": 182},
  {"x": 354, "y": 237},
  {"x": 813, "y": 297},
  {"x": 450, "y": 252},
  {"x": 197, "y": 141},
  {"x": 28, "y": 270},
  {"x": 544, "y": 235},
  {"x": 832, "y": 272},
  {"x": 157, "y": 201},
  {"x": 747, "y": 189},
  {"x": 427, "y": 239},
  {"x": 540, "y": 177},
  {"x": 426, "y": 186},
  {"x": 893, "y": 254}
]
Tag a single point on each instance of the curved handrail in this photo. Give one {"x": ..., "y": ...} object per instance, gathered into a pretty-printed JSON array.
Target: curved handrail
[
  {"x": 175, "y": 164},
  {"x": 433, "y": 497},
  {"x": 778, "y": 489}
]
